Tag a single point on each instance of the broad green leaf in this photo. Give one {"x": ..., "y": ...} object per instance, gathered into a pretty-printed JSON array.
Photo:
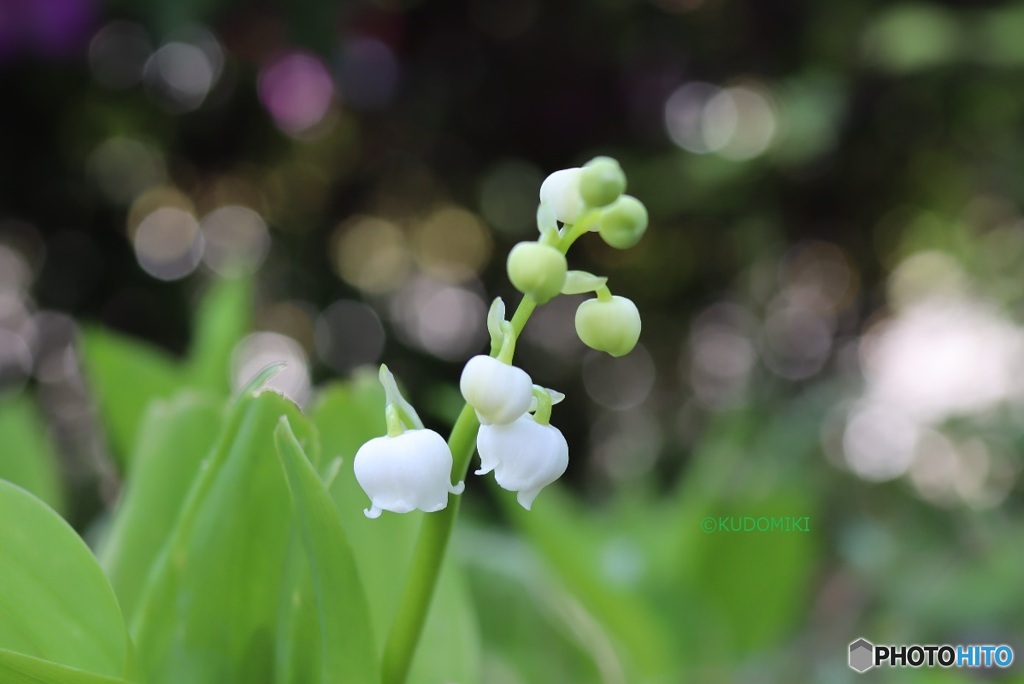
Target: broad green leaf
[
  {"x": 298, "y": 626},
  {"x": 346, "y": 416},
  {"x": 297, "y": 638},
  {"x": 753, "y": 585},
  {"x": 450, "y": 646},
  {"x": 176, "y": 436},
  {"x": 573, "y": 541},
  {"x": 222, "y": 319},
  {"x": 55, "y": 603},
  {"x": 27, "y": 456},
  {"x": 534, "y": 626},
  {"x": 348, "y": 653},
  {"x": 209, "y": 610},
  {"x": 751, "y": 588},
  {"x": 18, "y": 668},
  {"x": 125, "y": 375}
]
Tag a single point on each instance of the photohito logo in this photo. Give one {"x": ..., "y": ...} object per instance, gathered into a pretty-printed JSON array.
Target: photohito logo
[{"x": 864, "y": 655}]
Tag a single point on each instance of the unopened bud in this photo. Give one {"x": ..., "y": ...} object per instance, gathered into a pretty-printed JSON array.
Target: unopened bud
[
  {"x": 537, "y": 270},
  {"x": 623, "y": 222},
  {"x": 609, "y": 325},
  {"x": 601, "y": 181}
]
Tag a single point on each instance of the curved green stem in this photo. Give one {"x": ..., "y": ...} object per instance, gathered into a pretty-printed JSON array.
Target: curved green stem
[
  {"x": 577, "y": 230},
  {"x": 508, "y": 346},
  {"x": 522, "y": 314}
]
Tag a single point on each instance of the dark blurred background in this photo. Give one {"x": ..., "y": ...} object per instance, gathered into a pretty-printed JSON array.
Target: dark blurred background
[{"x": 833, "y": 260}]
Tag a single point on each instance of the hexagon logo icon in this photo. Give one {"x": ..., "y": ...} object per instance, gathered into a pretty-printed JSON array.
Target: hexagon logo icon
[{"x": 862, "y": 654}]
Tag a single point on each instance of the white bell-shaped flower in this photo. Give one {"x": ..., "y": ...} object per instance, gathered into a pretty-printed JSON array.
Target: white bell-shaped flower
[
  {"x": 525, "y": 456},
  {"x": 406, "y": 472},
  {"x": 499, "y": 392},
  {"x": 561, "y": 191}
]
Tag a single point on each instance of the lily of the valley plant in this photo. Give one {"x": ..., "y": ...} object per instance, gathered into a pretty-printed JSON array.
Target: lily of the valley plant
[{"x": 507, "y": 418}]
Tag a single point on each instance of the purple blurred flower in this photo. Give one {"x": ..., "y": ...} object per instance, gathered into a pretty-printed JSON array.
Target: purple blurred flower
[
  {"x": 51, "y": 29},
  {"x": 297, "y": 90}
]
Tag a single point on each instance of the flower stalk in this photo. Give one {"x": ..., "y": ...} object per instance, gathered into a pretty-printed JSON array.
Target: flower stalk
[
  {"x": 525, "y": 452},
  {"x": 436, "y": 530}
]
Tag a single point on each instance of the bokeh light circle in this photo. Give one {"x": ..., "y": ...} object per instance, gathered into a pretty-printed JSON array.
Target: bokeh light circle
[
  {"x": 168, "y": 243},
  {"x": 297, "y": 90},
  {"x": 349, "y": 334},
  {"x": 236, "y": 240}
]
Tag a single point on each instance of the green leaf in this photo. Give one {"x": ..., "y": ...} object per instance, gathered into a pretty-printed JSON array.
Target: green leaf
[
  {"x": 18, "y": 668},
  {"x": 125, "y": 375},
  {"x": 55, "y": 603},
  {"x": 450, "y": 646},
  {"x": 297, "y": 637},
  {"x": 298, "y": 628},
  {"x": 750, "y": 588},
  {"x": 753, "y": 585},
  {"x": 347, "y": 646},
  {"x": 209, "y": 610},
  {"x": 347, "y": 415},
  {"x": 534, "y": 625},
  {"x": 27, "y": 456},
  {"x": 222, "y": 320},
  {"x": 574, "y": 542},
  {"x": 178, "y": 435}
]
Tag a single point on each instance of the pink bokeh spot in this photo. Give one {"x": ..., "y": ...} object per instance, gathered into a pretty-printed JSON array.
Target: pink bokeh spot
[{"x": 297, "y": 90}]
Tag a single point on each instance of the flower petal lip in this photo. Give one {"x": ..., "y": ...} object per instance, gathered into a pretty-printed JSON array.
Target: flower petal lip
[
  {"x": 525, "y": 456},
  {"x": 405, "y": 473},
  {"x": 498, "y": 392},
  {"x": 561, "y": 190}
]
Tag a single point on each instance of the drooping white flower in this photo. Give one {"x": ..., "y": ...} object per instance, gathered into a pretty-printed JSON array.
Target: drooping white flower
[
  {"x": 498, "y": 392},
  {"x": 561, "y": 190},
  {"x": 406, "y": 472},
  {"x": 525, "y": 456}
]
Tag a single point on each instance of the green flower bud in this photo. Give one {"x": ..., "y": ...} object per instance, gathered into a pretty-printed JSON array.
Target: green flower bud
[
  {"x": 623, "y": 222},
  {"x": 537, "y": 270},
  {"x": 602, "y": 181},
  {"x": 609, "y": 325}
]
